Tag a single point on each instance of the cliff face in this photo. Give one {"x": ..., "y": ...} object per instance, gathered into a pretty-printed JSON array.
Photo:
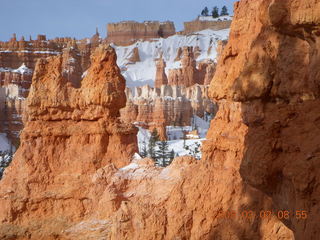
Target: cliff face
[
  {"x": 126, "y": 33},
  {"x": 69, "y": 133},
  {"x": 197, "y": 25},
  {"x": 269, "y": 70}
]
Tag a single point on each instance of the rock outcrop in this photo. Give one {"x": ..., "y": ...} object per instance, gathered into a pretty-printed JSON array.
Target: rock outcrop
[
  {"x": 190, "y": 74},
  {"x": 69, "y": 133},
  {"x": 271, "y": 74},
  {"x": 128, "y": 32},
  {"x": 199, "y": 25},
  {"x": 161, "y": 76}
]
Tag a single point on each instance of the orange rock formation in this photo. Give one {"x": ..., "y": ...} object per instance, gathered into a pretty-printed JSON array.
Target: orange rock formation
[
  {"x": 268, "y": 69},
  {"x": 261, "y": 151},
  {"x": 69, "y": 133}
]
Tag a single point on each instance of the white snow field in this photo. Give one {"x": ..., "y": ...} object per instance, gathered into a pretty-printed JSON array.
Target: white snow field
[{"x": 143, "y": 72}]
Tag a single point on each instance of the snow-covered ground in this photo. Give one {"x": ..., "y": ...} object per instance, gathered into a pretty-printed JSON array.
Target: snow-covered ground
[
  {"x": 176, "y": 132},
  {"x": 143, "y": 72},
  {"x": 175, "y": 137}
]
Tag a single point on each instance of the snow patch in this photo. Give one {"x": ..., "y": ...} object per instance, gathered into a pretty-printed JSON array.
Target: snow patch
[{"x": 211, "y": 19}]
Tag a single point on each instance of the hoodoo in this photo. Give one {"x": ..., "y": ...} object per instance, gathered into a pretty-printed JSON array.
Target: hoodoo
[
  {"x": 69, "y": 134},
  {"x": 76, "y": 174}
]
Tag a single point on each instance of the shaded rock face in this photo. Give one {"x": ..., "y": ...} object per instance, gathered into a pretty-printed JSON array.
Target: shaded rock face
[
  {"x": 69, "y": 133},
  {"x": 269, "y": 68},
  {"x": 14, "y": 85},
  {"x": 126, "y": 33},
  {"x": 21, "y": 79}
]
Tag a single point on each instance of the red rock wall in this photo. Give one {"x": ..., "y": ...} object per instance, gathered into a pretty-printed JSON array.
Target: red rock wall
[
  {"x": 197, "y": 25},
  {"x": 126, "y": 33}
]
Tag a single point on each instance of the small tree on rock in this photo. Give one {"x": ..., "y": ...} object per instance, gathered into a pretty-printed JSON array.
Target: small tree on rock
[
  {"x": 162, "y": 154},
  {"x": 171, "y": 156},
  {"x": 154, "y": 138},
  {"x": 144, "y": 152}
]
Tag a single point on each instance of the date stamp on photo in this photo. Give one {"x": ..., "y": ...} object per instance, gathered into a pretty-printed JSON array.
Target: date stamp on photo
[{"x": 248, "y": 214}]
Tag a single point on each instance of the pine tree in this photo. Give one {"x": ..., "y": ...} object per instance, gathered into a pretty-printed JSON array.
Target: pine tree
[
  {"x": 224, "y": 11},
  {"x": 154, "y": 138},
  {"x": 171, "y": 156},
  {"x": 215, "y": 12},
  {"x": 194, "y": 150},
  {"x": 144, "y": 152},
  {"x": 205, "y": 12},
  {"x": 184, "y": 137},
  {"x": 162, "y": 154}
]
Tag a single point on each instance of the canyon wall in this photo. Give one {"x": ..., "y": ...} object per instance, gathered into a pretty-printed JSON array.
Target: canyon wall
[
  {"x": 128, "y": 32},
  {"x": 198, "y": 25},
  {"x": 269, "y": 70}
]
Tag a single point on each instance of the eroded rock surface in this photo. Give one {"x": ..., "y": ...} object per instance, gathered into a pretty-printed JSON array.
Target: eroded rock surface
[
  {"x": 268, "y": 69},
  {"x": 261, "y": 151},
  {"x": 69, "y": 133}
]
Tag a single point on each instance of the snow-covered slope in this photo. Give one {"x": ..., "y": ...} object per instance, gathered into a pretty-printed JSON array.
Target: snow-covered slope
[{"x": 143, "y": 72}]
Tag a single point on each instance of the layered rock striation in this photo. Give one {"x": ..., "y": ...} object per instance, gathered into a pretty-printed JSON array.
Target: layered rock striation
[
  {"x": 69, "y": 134},
  {"x": 199, "y": 25},
  {"x": 128, "y": 32}
]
